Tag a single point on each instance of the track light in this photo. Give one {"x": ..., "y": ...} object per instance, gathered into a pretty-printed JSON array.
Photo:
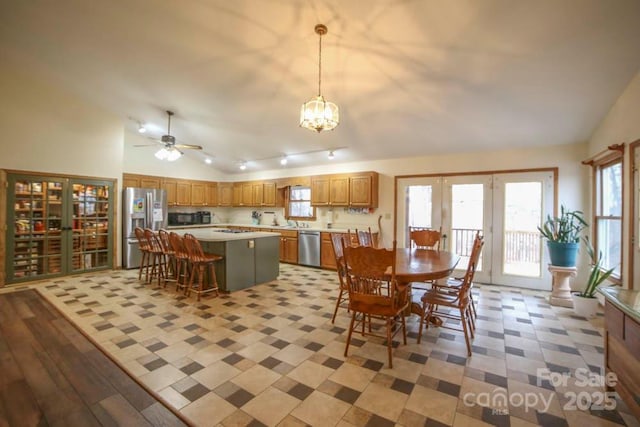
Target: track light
[
  {"x": 208, "y": 161},
  {"x": 141, "y": 128},
  {"x": 243, "y": 166},
  {"x": 331, "y": 155},
  {"x": 284, "y": 160}
]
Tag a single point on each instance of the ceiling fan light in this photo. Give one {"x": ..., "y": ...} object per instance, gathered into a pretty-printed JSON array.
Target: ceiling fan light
[
  {"x": 173, "y": 154},
  {"x": 162, "y": 154},
  {"x": 319, "y": 115}
]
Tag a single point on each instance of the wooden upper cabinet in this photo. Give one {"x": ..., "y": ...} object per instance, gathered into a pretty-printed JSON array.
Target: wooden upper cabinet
[
  {"x": 183, "y": 196},
  {"x": 257, "y": 191},
  {"x": 247, "y": 194},
  {"x": 358, "y": 190},
  {"x": 171, "y": 187},
  {"x": 269, "y": 191},
  {"x": 363, "y": 190},
  {"x": 141, "y": 181},
  {"x": 237, "y": 194},
  {"x": 130, "y": 181},
  {"x": 339, "y": 191},
  {"x": 198, "y": 193},
  {"x": 225, "y": 194},
  {"x": 320, "y": 190},
  {"x": 264, "y": 193},
  {"x": 210, "y": 194},
  {"x": 151, "y": 182}
]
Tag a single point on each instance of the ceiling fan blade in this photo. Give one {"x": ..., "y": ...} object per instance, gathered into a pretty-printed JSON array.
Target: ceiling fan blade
[
  {"x": 188, "y": 146},
  {"x": 144, "y": 145}
]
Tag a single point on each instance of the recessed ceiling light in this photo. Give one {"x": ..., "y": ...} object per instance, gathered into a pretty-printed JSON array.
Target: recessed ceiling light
[
  {"x": 284, "y": 160},
  {"x": 243, "y": 166},
  {"x": 208, "y": 161}
]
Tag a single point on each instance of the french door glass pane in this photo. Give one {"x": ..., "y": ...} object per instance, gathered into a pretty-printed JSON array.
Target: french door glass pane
[
  {"x": 467, "y": 217},
  {"x": 522, "y": 215},
  {"x": 419, "y": 206},
  {"x": 90, "y": 226}
]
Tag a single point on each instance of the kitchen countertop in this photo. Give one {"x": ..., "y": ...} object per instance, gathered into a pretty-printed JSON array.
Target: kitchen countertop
[
  {"x": 213, "y": 234},
  {"x": 625, "y": 299},
  {"x": 266, "y": 227}
]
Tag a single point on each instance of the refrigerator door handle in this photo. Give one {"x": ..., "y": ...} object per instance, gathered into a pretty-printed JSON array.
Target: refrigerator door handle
[{"x": 149, "y": 210}]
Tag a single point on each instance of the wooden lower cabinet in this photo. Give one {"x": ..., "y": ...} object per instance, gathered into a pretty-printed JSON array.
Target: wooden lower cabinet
[
  {"x": 288, "y": 246},
  {"x": 622, "y": 354},
  {"x": 327, "y": 256}
]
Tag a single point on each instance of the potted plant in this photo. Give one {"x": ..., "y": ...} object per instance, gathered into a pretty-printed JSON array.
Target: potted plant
[
  {"x": 585, "y": 302},
  {"x": 563, "y": 236}
]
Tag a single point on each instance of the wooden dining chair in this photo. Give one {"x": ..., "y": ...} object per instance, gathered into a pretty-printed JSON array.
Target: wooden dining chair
[
  {"x": 201, "y": 262},
  {"x": 365, "y": 238},
  {"x": 453, "y": 283},
  {"x": 367, "y": 273},
  {"x": 422, "y": 238},
  {"x": 454, "y": 305},
  {"x": 341, "y": 268}
]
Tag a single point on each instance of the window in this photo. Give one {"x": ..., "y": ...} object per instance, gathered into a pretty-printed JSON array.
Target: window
[
  {"x": 608, "y": 213},
  {"x": 299, "y": 204}
]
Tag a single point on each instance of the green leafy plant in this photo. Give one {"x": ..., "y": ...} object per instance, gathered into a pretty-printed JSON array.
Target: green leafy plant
[
  {"x": 565, "y": 228},
  {"x": 597, "y": 275}
]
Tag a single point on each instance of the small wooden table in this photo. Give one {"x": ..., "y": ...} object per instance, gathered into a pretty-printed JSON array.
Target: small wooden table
[{"x": 418, "y": 265}]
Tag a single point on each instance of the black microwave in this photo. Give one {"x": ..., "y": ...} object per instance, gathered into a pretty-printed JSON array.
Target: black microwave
[{"x": 183, "y": 218}]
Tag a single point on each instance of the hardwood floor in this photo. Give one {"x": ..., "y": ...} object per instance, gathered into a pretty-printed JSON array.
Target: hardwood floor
[{"x": 50, "y": 374}]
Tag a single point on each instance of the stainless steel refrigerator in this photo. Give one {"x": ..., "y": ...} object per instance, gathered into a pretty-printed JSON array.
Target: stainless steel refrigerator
[{"x": 144, "y": 208}]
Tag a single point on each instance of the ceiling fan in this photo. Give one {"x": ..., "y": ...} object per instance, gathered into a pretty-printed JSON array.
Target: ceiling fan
[
  {"x": 171, "y": 150},
  {"x": 170, "y": 141}
]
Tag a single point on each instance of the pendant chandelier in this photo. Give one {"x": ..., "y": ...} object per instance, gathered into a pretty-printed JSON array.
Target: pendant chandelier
[{"x": 317, "y": 114}]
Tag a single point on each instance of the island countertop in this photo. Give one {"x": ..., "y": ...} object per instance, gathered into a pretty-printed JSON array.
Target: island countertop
[{"x": 213, "y": 234}]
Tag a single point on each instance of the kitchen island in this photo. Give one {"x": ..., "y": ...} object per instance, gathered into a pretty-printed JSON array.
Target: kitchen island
[{"x": 249, "y": 258}]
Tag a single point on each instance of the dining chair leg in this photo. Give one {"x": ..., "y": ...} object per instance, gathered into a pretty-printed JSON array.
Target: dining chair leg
[
  {"x": 353, "y": 320},
  {"x": 335, "y": 312},
  {"x": 465, "y": 329},
  {"x": 404, "y": 328},
  {"x": 422, "y": 320},
  {"x": 389, "y": 342}
]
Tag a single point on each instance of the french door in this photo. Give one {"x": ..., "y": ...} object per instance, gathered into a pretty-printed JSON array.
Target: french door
[{"x": 505, "y": 207}]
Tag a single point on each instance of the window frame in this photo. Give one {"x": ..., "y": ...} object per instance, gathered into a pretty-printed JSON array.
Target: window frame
[
  {"x": 288, "y": 201},
  {"x": 598, "y": 166}
]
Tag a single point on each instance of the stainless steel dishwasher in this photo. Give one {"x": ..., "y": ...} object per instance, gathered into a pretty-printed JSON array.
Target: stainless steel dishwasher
[{"x": 309, "y": 248}]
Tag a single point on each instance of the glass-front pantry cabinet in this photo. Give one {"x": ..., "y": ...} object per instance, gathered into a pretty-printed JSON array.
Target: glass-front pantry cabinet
[{"x": 57, "y": 226}]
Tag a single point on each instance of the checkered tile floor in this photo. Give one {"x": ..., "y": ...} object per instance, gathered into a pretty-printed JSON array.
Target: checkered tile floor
[{"x": 269, "y": 355}]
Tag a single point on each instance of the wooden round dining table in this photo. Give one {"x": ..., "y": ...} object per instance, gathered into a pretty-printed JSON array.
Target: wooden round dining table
[{"x": 418, "y": 265}]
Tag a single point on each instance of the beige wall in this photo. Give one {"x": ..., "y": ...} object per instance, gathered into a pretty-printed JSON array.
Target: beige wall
[
  {"x": 50, "y": 130},
  {"x": 622, "y": 125}
]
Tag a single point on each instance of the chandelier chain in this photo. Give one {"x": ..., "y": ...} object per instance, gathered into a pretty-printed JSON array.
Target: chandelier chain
[{"x": 319, "y": 65}]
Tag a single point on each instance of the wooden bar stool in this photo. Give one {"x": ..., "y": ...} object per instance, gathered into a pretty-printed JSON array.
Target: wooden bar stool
[
  {"x": 169, "y": 257},
  {"x": 181, "y": 259},
  {"x": 156, "y": 257},
  {"x": 200, "y": 261},
  {"x": 143, "y": 244}
]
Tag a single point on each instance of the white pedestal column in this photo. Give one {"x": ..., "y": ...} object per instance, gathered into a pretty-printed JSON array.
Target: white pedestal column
[{"x": 561, "y": 288}]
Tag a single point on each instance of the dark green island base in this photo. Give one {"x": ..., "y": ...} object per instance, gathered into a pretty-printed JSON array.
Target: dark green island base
[
  {"x": 249, "y": 259},
  {"x": 246, "y": 263}
]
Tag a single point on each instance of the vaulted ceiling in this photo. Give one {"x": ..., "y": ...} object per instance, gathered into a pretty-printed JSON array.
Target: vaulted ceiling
[{"x": 410, "y": 77}]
